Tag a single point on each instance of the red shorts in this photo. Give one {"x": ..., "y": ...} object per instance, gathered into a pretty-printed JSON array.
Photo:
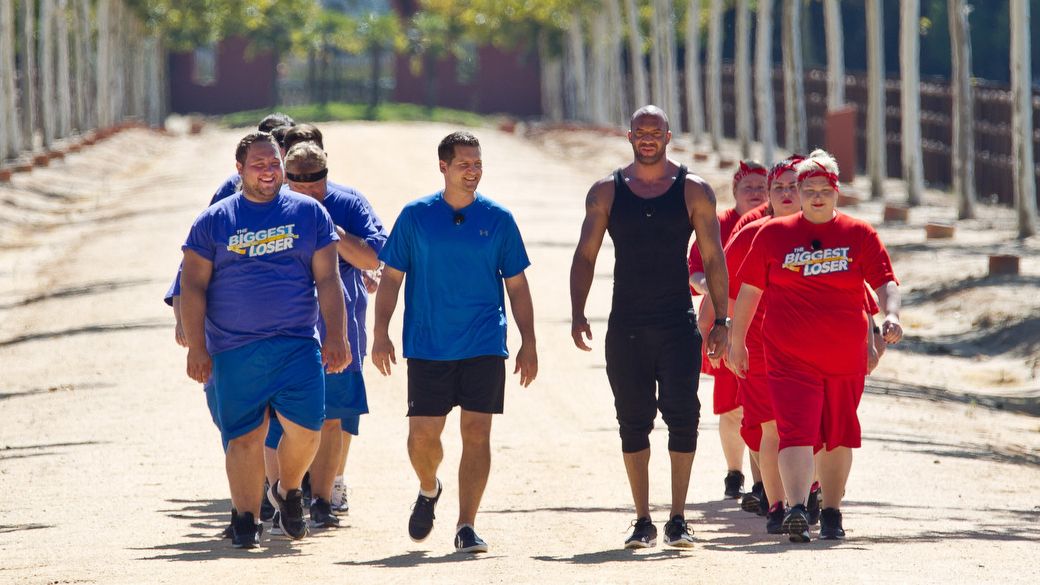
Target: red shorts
[
  {"x": 754, "y": 397},
  {"x": 813, "y": 408},
  {"x": 725, "y": 393}
]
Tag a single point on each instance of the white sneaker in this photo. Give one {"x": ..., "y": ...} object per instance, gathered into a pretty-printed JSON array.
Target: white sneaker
[{"x": 340, "y": 497}]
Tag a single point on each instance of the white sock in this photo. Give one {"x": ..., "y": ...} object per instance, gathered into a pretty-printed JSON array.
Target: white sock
[
  {"x": 461, "y": 526},
  {"x": 432, "y": 494},
  {"x": 339, "y": 479}
]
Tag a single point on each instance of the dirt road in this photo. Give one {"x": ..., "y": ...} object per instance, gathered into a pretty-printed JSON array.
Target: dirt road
[{"x": 111, "y": 472}]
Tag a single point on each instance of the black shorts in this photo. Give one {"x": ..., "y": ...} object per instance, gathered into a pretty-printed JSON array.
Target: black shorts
[{"x": 476, "y": 384}]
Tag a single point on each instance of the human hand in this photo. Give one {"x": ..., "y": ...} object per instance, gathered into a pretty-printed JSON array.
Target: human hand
[
  {"x": 526, "y": 364},
  {"x": 335, "y": 354},
  {"x": 383, "y": 354},
  {"x": 717, "y": 343},
  {"x": 179, "y": 336},
  {"x": 200, "y": 365},
  {"x": 580, "y": 330},
  {"x": 891, "y": 330},
  {"x": 737, "y": 360}
]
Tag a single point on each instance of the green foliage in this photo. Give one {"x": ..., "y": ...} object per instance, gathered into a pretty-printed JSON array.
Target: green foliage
[{"x": 338, "y": 112}]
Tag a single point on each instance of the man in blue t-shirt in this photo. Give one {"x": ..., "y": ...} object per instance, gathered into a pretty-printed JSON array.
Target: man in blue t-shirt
[
  {"x": 457, "y": 248},
  {"x": 257, "y": 268},
  {"x": 360, "y": 240},
  {"x": 233, "y": 184}
]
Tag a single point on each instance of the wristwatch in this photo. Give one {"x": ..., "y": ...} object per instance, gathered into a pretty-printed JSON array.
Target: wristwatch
[{"x": 723, "y": 322}]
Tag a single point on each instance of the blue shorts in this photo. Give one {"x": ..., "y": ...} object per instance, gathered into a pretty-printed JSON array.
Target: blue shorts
[
  {"x": 211, "y": 404},
  {"x": 283, "y": 373},
  {"x": 345, "y": 399}
]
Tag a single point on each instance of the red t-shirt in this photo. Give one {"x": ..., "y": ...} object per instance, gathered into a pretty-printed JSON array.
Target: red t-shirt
[
  {"x": 814, "y": 275},
  {"x": 753, "y": 215},
  {"x": 736, "y": 251},
  {"x": 727, "y": 219}
]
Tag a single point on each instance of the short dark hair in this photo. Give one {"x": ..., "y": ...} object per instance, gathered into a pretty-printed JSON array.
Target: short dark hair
[
  {"x": 275, "y": 120},
  {"x": 249, "y": 140},
  {"x": 302, "y": 133},
  {"x": 446, "y": 149},
  {"x": 279, "y": 135}
]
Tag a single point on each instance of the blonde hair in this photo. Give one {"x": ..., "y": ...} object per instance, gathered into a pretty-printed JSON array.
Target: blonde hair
[
  {"x": 817, "y": 159},
  {"x": 306, "y": 157}
]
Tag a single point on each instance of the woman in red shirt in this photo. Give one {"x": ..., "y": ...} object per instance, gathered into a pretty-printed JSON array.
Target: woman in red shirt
[
  {"x": 813, "y": 265},
  {"x": 749, "y": 192}
]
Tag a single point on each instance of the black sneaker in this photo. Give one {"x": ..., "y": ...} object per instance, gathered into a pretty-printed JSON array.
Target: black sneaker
[
  {"x": 420, "y": 524},
  {"x": 812, "y": 506},
  {"x": 266, "y": 509},
  {"x": 290, "y": 511},
  {"x": 734, "y": 484},
  {"x": 321, "y": 514},
  {"x": 467, "y": 541},
  {"x": 245, "y": 531},
  {"x": 644, "y": 534},
  {"x": 775, "y": 519},
  {"x": 752, "y": 501},
  {"x": 796, "y": 524},
  {"x": 677, "y": 533},
  {"x": 305, "y": 487},
  {"x": 276, "y": 529},
  {"x": 830, "y": 525}
]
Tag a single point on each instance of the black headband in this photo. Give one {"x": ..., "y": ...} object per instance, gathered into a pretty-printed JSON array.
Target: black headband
[{"x": 307, "y": 177}]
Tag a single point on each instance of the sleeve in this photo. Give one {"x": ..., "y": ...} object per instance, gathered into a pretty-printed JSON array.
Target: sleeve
[
  {"x": 755, "y": 269},
  {"x": 324, "y": 229},
  {"x": 175, "y": 288},
  {"x": 362, "y": 223},
  {"x": 877, "y": 265},
  {"x": 512, "y": 256},
  {"x": 869, "y": 303},
  {"x": 229, "y": 188},
  {"x": 736, "y": 251},
  {"x": 200, "y": 238},
  {"x": 397, "y": 253}
]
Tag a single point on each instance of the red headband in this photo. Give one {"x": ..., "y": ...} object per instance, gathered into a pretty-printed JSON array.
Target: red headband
[
  {"x": 743, "y": 171},
  {"x": 781, "y": 168},
  {"x": 821, "y": 171}
]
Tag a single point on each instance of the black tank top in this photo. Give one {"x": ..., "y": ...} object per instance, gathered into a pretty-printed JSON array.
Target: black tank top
[{"x": 651, "y": 238}]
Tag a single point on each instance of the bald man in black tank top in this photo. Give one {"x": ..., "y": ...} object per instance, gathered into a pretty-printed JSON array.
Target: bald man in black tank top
[{"x": 651, "y": 208}]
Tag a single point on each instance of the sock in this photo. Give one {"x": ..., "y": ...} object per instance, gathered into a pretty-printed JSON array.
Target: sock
[
  {"x": 432, "y": 494},
  {"x": 461, "y": 526}
]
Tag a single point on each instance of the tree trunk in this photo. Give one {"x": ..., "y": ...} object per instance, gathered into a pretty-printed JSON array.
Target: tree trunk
[
  {"x": 910, "y": 65},
  {"x": 617, "y": 105},
  {"x": 715, "y": 74},
  {"x": 376, "y": 55},
  {"x": 877, "y": 161},
  {"x": 764, "y": 81},
  {"x": 154, "y": 108},
  {"x": 84, "y": 89},
  {"x": 64, "y": 73},
  {"x": 104, "y": 35},
  {"x": 742, "y": 78},
  {"x": 10, "y": 138},
  {"x": 671, "y": 80},
  {"x": 47, "y": 97},
  {"x": 635, "y": 55},
  {"x": 1022, "y": 119},
  {"x": 600, "y": 40},
  {"x": 29, "y": 74},
  {"x": 835, "y": 55},
  {"x": 657, "y": 68},
  {"x": 963, "y": 110},
  {"x": 794, "y": 78},
  {"x": 575, "y": 80},
  {"x": 552, "y": 80},
  {"x": 694, "y": 89}
]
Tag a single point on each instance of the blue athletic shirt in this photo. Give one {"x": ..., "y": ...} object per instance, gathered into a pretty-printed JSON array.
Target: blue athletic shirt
[
  {"x": 350, "y": 212},
  {"x": 454, "y": 298},
  {"x": 262, "y": 285},
  {"x": 229, "y": 187}
]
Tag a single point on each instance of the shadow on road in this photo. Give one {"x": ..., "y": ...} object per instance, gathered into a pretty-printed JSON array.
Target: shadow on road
[
  {"x": 417, "y": 558},
  {"x": 106, "y": 328}
]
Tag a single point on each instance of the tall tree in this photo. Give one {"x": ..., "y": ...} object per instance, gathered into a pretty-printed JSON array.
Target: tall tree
[
  {"x": 29, "y": 74},
  {"x": 742, "y": 78},
  {"x": 551, "y": 67},
  {"x": 794, "y": 78},
  {"x": 575, "y": 78},
  {"x": 635, "y": 54},
  {"x": 694, "y": 85},
  {"x": 666, "y": 21},
  {"x": 46, "y": 73},
  {"x": 64, "y": 78},
  {"x": 10, "y": 137},
  {"x": 764, "y": 81},
  {"x": 617, "y": 102},
  {"x": 657, "y": 66},
  {"x": 1022, "y": 119},
  {"x": 910, "y": 72},
  {"x": 600, "y": 40},
  {"x": 876, "y": 158},
  {"x": 963, "y": 110},
  {"x": 835, "y": 54},
  {"x": 715, "y": 74},
  {"x": 81, "y": 41}
]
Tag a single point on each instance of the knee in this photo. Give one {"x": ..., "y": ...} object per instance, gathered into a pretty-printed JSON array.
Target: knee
[
  {"x": 476, "y": 432},
  {"x": 331, "y": 425}
]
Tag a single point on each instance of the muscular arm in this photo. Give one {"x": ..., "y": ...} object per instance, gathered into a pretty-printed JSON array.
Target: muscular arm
[
  {"x": 195, "y": 277},
  {"x": 356, "y": 250},
  {"x": 583, "y": 266},
  {"x": 700, "y": 201},
  {"x": 386, "y": 301},
  {"x": 336, "y": 350},
  {"x": 523, "y": 313}
]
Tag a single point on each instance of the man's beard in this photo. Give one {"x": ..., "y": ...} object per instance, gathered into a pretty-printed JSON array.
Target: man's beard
[{"x": 648, "y": 160}]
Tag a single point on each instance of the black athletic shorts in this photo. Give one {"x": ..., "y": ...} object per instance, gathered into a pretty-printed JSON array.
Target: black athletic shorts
[{"x": 476, "y": 384}]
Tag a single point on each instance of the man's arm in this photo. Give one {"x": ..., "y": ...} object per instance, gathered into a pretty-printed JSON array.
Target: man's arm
[
  {"x": 583, "y": 267},
  {"x": 356, "y": 250},
  {"x": 890, "y": 300},
  {"x": 700, "y": 201},
  {"x": 386, "y": 301},
  {"x": 335, "y": 351},
  {"x": 523, "y": 314},
  {"x": 195, "y": 277}
]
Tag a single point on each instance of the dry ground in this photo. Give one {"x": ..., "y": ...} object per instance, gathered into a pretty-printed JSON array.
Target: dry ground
[{"x": 110, "y": 470}]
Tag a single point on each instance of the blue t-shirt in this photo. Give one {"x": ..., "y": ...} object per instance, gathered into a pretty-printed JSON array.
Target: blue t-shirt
[
  {"x": 348, "y": 210},
  {"x": 262, "y": 284},
  {"x": 454, "y": 304},
  {"x": 229, "y": 187}
]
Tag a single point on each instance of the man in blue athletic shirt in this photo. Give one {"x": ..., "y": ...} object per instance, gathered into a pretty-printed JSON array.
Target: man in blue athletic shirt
[
  {"x": 457, "y": 248},
  {"x": 252, "y": 265},
  {"x": 306, "y": 168}
]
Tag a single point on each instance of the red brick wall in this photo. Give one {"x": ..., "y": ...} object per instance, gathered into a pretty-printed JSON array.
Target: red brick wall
[{"x": 244, "y": 81}]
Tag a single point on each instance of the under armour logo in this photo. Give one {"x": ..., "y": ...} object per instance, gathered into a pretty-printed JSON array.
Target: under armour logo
[{"x": 485, "y": 233}]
